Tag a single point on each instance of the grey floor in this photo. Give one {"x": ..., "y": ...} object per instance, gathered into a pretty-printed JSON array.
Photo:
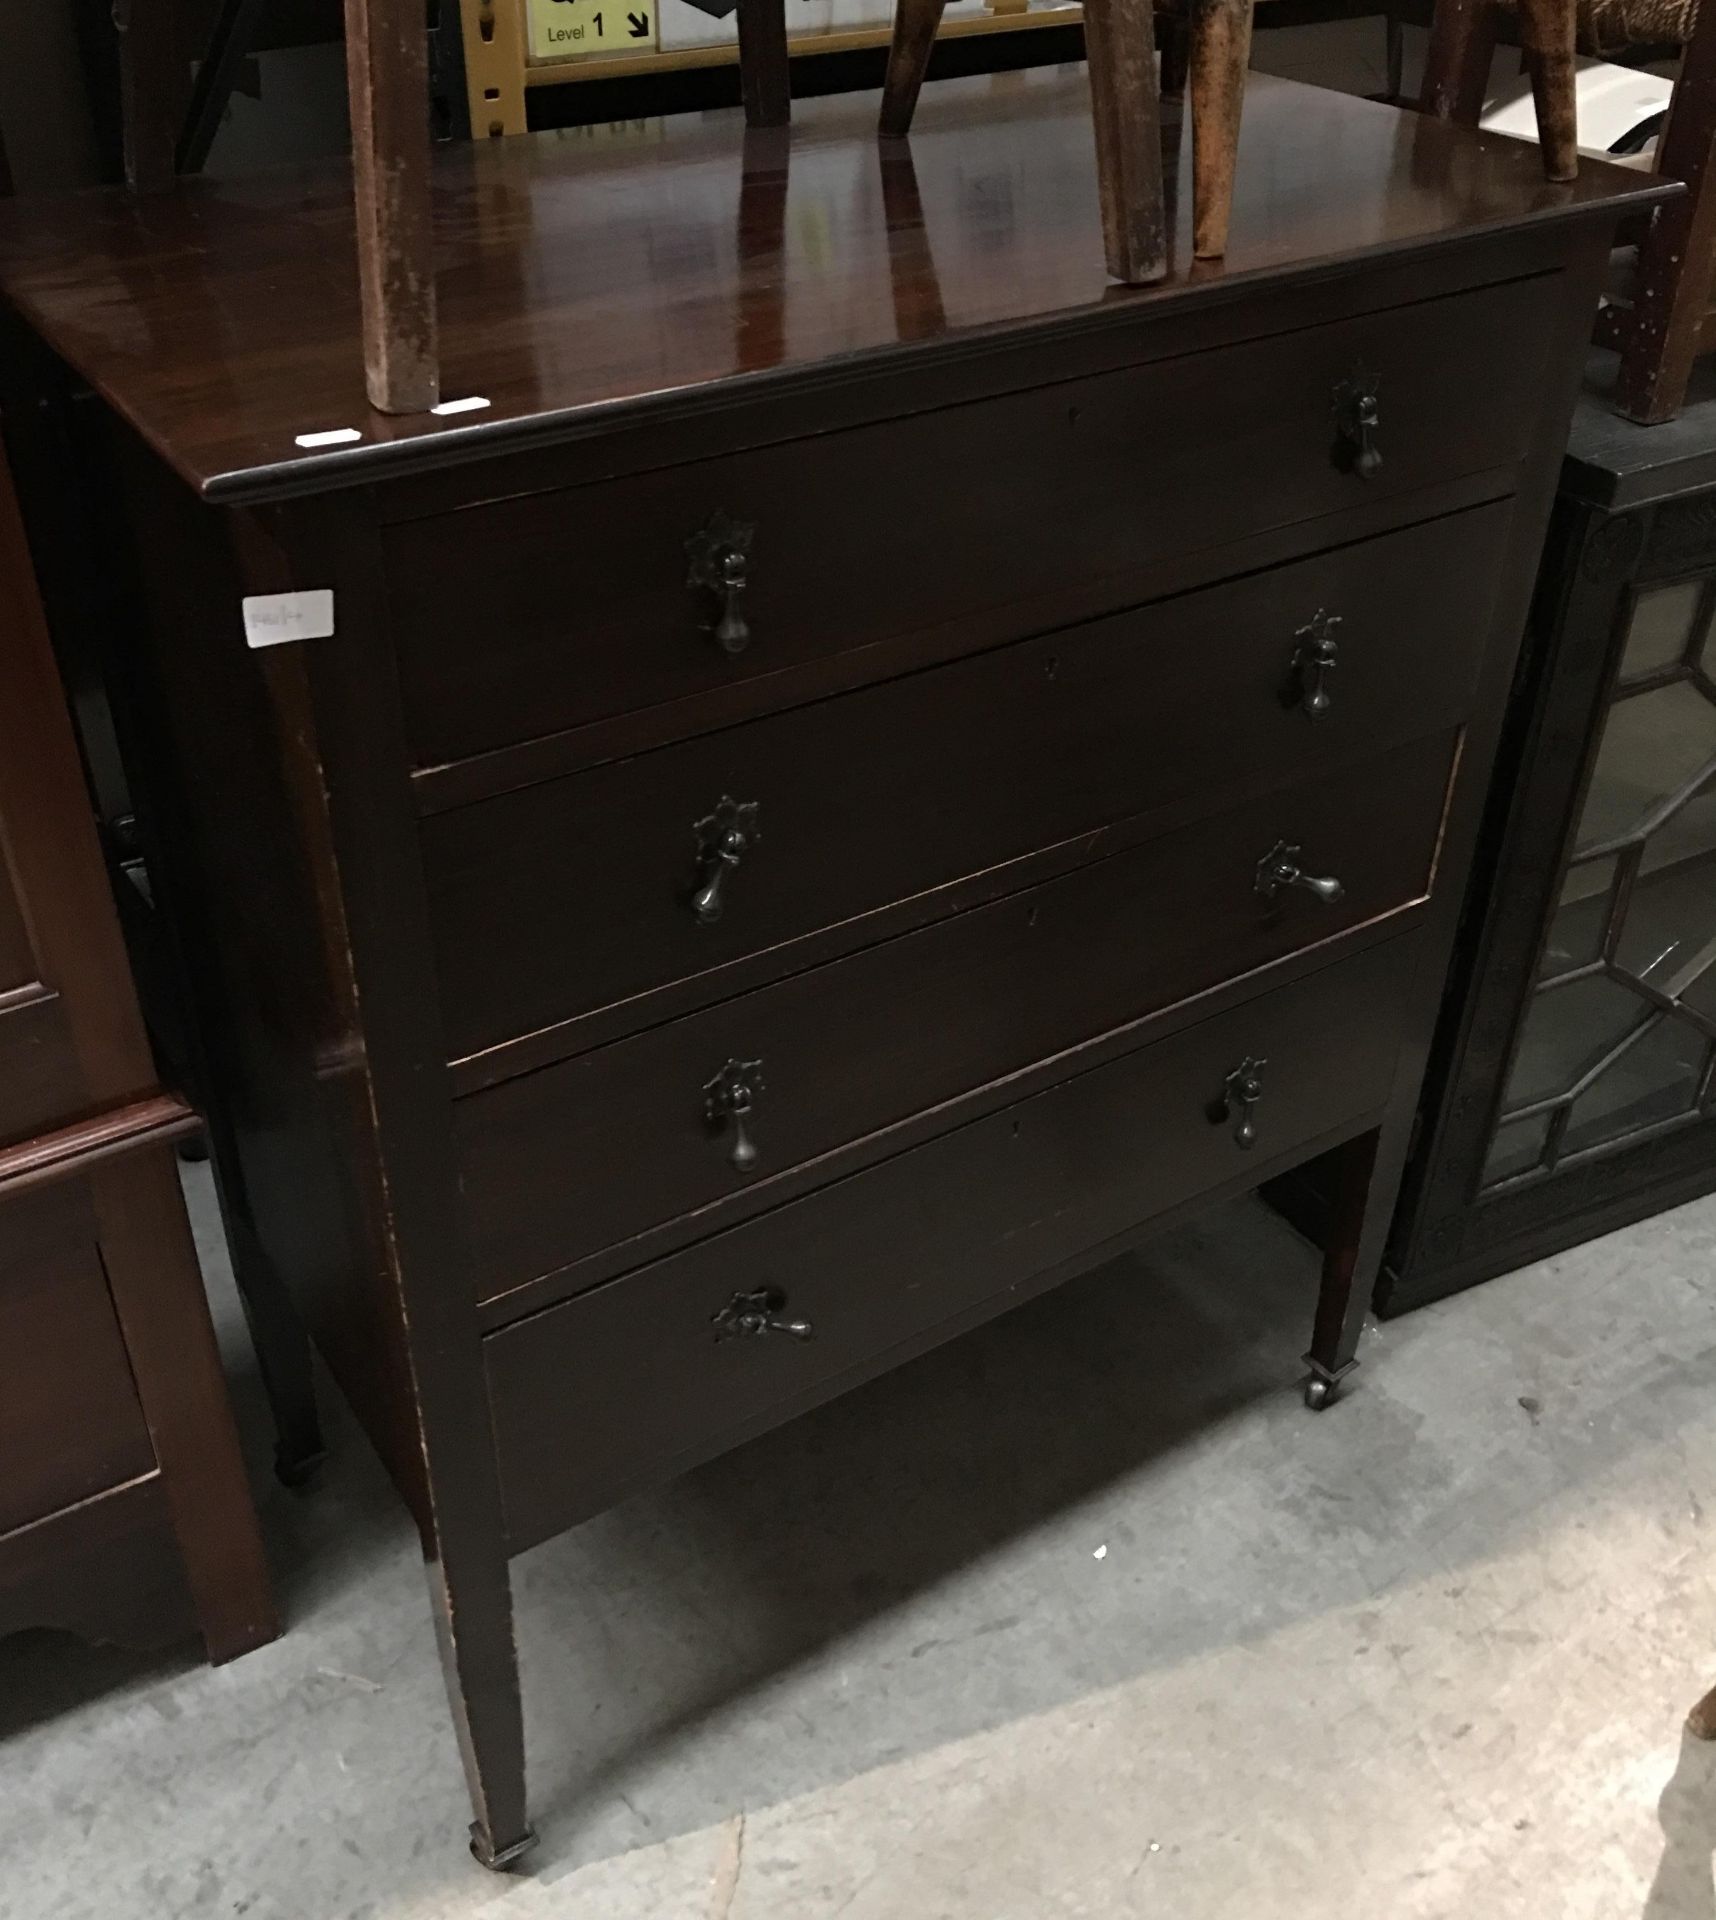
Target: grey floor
[{"x": 1080, "y": 1615}]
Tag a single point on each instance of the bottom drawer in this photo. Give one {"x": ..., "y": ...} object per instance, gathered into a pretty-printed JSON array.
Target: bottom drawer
[
  {"x": 643, "y": 1376},
  {"x": 70, "y": 1421}
]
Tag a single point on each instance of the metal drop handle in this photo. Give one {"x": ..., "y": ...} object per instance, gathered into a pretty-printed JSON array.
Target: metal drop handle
[
  {"x": 1279, "y": 868},
  {"x": 724, "y": 837},
  {"x": 720, "y": 560},
  {"x": 728, "y": 1100},
  {"x": 1240, "y": 1093},
  {"x": 750, "y": 1315},
  {"x": 1315, "y": 656},
  {"x": 1358, "y": 417}
]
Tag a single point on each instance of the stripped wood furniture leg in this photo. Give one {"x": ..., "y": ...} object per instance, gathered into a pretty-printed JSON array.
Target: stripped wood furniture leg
[
  {"x": 1221, "y": 51},
  {"x": 1457, "y": 60},
  {"x": 1547, "y": 28},
  {"x": 765, "y": 76},
  {"x": 1120, "y": 42},
  {"x": 148, "y": 94},
  {"x": 915, "y": 23},
  {"x": 1659, "y": 339},
  {"x": 387, "y": 74}
]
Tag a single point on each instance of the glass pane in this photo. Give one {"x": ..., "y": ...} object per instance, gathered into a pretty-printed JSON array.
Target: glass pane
[
  {"x": 1517, "y": 1147},
  {"x": 1653, "y": 744},
  {"x": 1655, "y": 1079},
  {"x": 1567, "y": 1031},
  {"x": 1576, "y": 932},
  {"x": 1660, "y": 627},
  {"x": 1670, "y": 919}
]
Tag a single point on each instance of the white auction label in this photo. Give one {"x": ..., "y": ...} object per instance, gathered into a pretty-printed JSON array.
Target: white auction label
[{"x": 271, "y": 619}]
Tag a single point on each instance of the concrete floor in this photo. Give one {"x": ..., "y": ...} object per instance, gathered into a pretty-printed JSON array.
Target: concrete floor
[{"x": 1082, "y": 1615}]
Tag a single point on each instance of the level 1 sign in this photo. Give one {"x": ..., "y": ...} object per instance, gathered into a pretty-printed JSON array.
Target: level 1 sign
[{"x": 576, "y": 29}]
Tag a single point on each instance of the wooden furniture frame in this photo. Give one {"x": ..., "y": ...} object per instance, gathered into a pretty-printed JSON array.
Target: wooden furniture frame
[
  {"x": 148, "y": 1531},
  {"x": 1663, "y": 321}
]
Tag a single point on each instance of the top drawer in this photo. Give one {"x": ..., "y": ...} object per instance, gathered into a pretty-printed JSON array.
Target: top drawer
[{"x": 525, "y": 617}]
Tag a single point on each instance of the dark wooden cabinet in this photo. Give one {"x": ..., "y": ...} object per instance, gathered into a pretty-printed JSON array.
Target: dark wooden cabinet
[
  {"x": 124, "y": 1512},
  {"x": 853, "y": 783},
  {"x": 1574, "y": 1084}
]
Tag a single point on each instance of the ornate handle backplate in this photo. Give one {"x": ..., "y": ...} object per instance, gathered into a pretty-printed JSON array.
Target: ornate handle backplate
[
  {"x": 1357, "y": 420},
  {"x": 728, "y": 1100},
  {"x": 1316, "y": 654},
  {"x": 1279, "y": 869},
  {"x": 1240, "y": 1093},
  {"x": 748, "y": 1316},
  {"x": 724, "y": 837},
  {"x": 720, "y": 560}
]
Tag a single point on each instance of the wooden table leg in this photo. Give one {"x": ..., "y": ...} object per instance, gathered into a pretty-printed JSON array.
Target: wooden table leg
[
  {"x": 765, "y": 73},
  {"x": 915, "y": 24},
  {"x": 1120, "y": 42},
  {"x": 1221, "y": 51},
  {"x": 1351, "y": 1258},
  {"x": 387, "y": 74}
]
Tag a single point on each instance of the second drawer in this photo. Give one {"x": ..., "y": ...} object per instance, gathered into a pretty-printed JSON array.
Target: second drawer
[
  {"x": 887, "y": 807},
  {"x": 566, "y": 1162}
]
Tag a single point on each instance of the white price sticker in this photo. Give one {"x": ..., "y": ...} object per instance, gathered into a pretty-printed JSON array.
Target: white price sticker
[{"x": 271, "y": 619}]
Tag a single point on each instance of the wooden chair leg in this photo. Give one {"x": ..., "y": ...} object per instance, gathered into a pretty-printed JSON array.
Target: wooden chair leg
[
  {"x": 1677, "y": 257},
  {"x": 1120, "y": 44},
  {"x": 1547, "y": 28},
  {"x": 765, "y": 76},
  {"x": 915, "y": 24},
  {"x": 1221, "y": 51},
  {"x": 1457, "y": 60},
  {"x": 387, "y": 73}
]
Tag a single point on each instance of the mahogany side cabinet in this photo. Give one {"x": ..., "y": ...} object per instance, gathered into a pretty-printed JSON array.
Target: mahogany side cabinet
[
  {"x": 850, "y": 772},
  {"x": 125, "y": 1515}
]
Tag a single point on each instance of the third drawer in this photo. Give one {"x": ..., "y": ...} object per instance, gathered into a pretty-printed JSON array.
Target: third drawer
[{"x": 561, "y": 1164}]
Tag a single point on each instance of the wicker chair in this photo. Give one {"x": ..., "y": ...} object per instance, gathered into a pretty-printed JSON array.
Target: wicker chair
[{"x": 1661, "y": 322}]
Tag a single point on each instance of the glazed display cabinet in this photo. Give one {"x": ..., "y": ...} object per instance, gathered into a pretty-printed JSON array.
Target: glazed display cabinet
[{"x": 1575, "y": 1087}]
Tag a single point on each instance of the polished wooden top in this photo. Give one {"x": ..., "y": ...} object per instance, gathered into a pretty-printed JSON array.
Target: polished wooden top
[{"x": 634, "y": 267}]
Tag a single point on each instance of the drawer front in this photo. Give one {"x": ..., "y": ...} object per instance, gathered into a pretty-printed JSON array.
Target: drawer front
[
  {"x": 41, "y": 1083},
  {"x": 528, "y": 616},
  {"x": 569, "y": 898},
  {"x": 563, "y": 1163},
  {"x": 70, "y": 1422},
  {"x": 638, "y": 1378}
]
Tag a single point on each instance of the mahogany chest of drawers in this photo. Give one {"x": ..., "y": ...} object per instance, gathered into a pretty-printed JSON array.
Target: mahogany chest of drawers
[{"x": 859, "y": 773}]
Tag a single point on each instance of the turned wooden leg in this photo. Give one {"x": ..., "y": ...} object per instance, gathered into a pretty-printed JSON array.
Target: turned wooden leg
[
  {"x": 471, "y": 1594},
  {"x": 1457, "y": 60},
  {"x": 765, "y": 77},
  {"x": 915, "y": 24},
  {"x": 1221, "y": 51},
  {"x": 1351, "y": 1256},
  {"x": 1120, "y": 43},
  {"x": 1546, "y": 26}
]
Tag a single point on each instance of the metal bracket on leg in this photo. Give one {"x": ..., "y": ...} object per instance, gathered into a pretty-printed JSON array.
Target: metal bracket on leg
[
  {"x": 1324, "y": 1383},
  {"x": 498, "y": 1859}
]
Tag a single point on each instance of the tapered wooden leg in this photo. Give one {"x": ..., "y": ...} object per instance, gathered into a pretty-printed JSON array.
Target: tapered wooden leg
[
  {"x": 1120, "y": 43},
  {"x": 471, "y": 1595},
  {"x": 1660, "y": 338},
  {"x": 1457, "y": 60},
  {"x": 1221, "y": 51},
  {"x": 1546, "y": 26},
  {"x": 915, "y": 24},
  {"x": 282, "y": 1349},
  {"x": 1174, "y": 42},
  {"x": 1344, "y": 1297},
  {"x": 387, "y": 72},
  {"x": 765, "y": 75}
]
